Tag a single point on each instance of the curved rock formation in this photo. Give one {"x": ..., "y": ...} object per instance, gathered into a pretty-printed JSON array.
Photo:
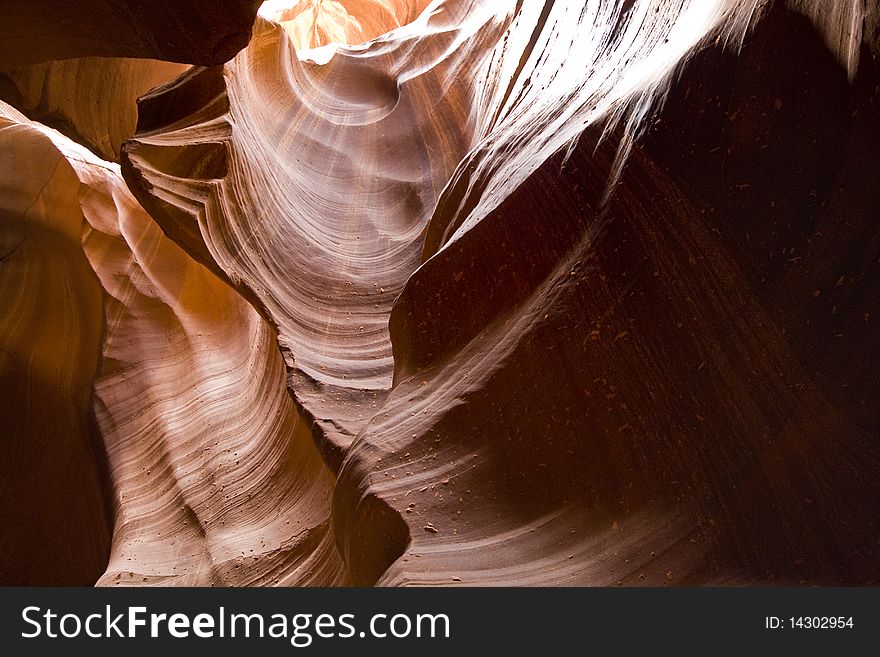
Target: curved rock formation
[
  {"x": 214, "y": 478},
  {"x": 695, "y": 438},
  {"x": 566, "y": 293},
  {"x": 50, "y": 347},
  {"x": 316, "y": 23},
  {"x": 341, "y": 166},
  {"x": 62, "y": 94}
]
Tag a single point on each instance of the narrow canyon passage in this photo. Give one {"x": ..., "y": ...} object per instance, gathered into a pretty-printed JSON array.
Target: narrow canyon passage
[{"x": 460, "y": 292}]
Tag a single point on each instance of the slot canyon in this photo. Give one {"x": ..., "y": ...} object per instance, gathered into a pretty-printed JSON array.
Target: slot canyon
[{"x": 439, "y": 292}]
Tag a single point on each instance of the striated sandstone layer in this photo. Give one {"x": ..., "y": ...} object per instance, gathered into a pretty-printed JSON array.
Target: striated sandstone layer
[
  {"x": 212, "y": 475},
  {"x": 458, "y": 292},
  {"x": 340, "y": 165},
  {"x": 623, "y": 395}
]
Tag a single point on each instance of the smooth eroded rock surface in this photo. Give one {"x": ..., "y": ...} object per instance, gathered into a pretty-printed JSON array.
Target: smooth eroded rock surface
[
  {"x": 213, "y": 478},
  {"x": 442, "y": 293}
]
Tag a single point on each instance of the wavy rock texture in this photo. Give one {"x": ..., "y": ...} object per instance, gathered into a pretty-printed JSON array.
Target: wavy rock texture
[
  {"x": 566, "y": 293},
  {"x": 696, "y": 438},
  {"x": 214, "y": 479},
  {"x": 341, "y": 166}
]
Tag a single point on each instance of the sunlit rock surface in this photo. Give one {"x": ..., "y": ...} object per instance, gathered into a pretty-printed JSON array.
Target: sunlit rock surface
[
  {"x": 213, "y": 478},
  {"x": 314, "y": 23},
  {"x": 448, "y": 293},
  {"x": 340, "y": 164}
]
